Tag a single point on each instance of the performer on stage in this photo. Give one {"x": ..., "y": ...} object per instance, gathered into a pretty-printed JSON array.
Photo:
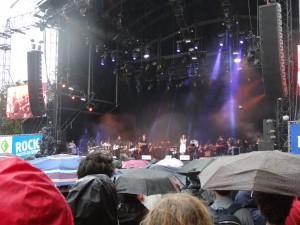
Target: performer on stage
[
  {"x": 117, "y": 146},
  {"x": 143, "y": 144},
  {"x": 182, "y": 147}
]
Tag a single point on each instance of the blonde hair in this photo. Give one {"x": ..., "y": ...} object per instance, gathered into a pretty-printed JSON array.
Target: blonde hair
[{"x": 178, "y": 209}]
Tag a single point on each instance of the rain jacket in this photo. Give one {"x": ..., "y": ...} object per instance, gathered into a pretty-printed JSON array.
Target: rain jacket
[
  {"x": 93, "y": 200},
  {"x": 28, "y": 196}
]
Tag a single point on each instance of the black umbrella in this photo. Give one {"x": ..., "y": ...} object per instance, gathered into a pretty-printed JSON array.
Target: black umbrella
[
  {"x": 147, "y": 182},
  {"x": 196, "y": 165},
  {"x": 171, "y": 170}
]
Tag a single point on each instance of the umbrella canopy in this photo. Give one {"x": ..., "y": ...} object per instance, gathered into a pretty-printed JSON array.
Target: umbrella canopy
[
  {"x": 172, "y": 162},
  {"x": 171, "y": 170},
  {"x": 135, "y": 164},
  {"x": 62, "y": 169},
  {"x": 147, "y": 182},
  {"x": 267, "y": 171},
  {"x": 196, "y": 165}
]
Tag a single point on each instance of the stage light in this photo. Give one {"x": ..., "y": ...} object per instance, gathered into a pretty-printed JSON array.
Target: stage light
[
  {"x": 146, "y": 53},
  {"x": 134, "y": 56},
  {"x": 221, "y": 44},
  {"x": 285, "y": 118},
  {"x": 90, "y": 107},
  {"x": 71, "y": 89},
  {"x": 237, "y": 60},
  {"x": 235, "y": 53},
  {"x": 187, "y": 41},
  {"x": 83, "y": 99},
  {"x": 113, "y": 59},
  {"x": 178, "y": 48},
  {"x": 102, "y": 62},
  {"x": 63, "y": 85},
  {"x": 241, "y": 42},
  {"x": 194, "y": 58},
  {"x": 73, "y": 97},
  {"x": 196, "y": 46},
  {"x": 150, "y": 86}
]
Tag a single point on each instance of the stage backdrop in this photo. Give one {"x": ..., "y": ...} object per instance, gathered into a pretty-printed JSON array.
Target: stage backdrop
[{"x": 21, "y": 145}]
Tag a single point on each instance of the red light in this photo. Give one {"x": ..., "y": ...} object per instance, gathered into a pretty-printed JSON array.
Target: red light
[{"x": 91, "y": 109}]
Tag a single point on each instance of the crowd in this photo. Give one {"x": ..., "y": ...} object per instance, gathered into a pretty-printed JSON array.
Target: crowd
[{"x": 29, "y": 197}]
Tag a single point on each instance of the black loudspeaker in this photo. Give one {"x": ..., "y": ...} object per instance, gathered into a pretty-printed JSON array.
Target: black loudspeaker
[
  {"x": 269, "y": 130},
  {"x": 35, "y": 86},
  {"x": 272, "y": 52}
]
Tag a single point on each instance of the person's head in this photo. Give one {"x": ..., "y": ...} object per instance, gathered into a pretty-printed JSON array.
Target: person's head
[
  {"x": 178, "y": 209},
  {"x": 223, "y": 193},
  {"x": 95, "y": 163},
  {"x": 29, "y": 197},
  {"x": 274, "y": 207}
]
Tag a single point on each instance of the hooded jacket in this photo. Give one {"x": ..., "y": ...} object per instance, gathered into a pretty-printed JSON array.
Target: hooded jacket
[
  {"x": 28, "y": 196},
  {"x": 93, "y": 200}
]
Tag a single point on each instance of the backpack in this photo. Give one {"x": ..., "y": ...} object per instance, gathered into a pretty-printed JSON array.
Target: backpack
[{"x": 226, "y": 216}]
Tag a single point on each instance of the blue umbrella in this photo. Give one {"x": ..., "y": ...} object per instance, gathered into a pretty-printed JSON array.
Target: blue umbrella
[{"x": 62, "y": 169}]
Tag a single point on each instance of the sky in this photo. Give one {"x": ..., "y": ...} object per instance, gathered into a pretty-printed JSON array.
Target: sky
[{"x": 20, "y": 43}]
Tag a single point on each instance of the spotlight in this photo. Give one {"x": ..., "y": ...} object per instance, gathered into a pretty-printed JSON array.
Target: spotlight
[
  {"x": 113, "y": 58},
  {"x": 134, "y": 56},
  {"x": 237, "y": 60},
  {"x": 146, "y": 54},
  {"x": 221, "y": 44},
  {"x": 83, "y": 99},
  {"x": 73, "y": 97},
  {"x": 194, "y": 58},
  {"x": 178, "y": 48},
  {"x": 285, "y": 118},
  {"x": 196, "y": 46},
  {"x": 102, "y": 62},
  {"x": 187, "y": 41},
  {"x": 71, "y": 89},
  {"x": 150, "y": 86},
  {"x": 235, "y": 53},
  {"x": 90, "y": 107},
  {"x": 63, "y": 85},
  {"x": 241, "y": 42}
]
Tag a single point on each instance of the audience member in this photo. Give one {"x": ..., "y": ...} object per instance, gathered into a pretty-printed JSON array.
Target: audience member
[
  {"x": 246, "y": 200},
  {"x": 178, "y": 209},
  {"x": 29, "y": 197},
  {"x": 93, "y": 199},
  {"x": 224, "y": 201},
  {"x": 274, "y": 207}
]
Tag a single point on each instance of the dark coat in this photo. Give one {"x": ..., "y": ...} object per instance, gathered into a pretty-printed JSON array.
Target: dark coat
[{"x": 93, "y": 200}]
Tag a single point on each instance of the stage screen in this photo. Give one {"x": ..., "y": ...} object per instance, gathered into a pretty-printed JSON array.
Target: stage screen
[{"x": 17, "y": 106}]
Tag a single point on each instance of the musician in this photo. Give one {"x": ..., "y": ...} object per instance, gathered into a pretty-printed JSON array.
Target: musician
[
  {"x": 72, "y": 148},
  {"x": 221, "y": 146},
  {"x": 117, "y": 146},
  {"x": 143, "y": 145},
  {"x": 182, "y": 146}
]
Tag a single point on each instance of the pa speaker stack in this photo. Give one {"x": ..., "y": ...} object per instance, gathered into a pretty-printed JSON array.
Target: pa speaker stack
[
  {"x": 272, "y": 52},
  {"x": 35, "y": 86}
]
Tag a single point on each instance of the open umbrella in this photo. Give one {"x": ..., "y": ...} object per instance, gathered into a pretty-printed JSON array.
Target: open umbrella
[
  {"x": 267, "y": 171},
  {"x": 197, "y": 165},
  {"x": 172, "y": 162},
  {"x": 62, "y": 169},
  {"x": 134, "y": 164},
  {"x": 168, "y": 169},
  {"x": 146, "y": 182}
]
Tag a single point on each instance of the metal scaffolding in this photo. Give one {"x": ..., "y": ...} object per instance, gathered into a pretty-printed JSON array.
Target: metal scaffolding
[{"x": 287, "y": 31}]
